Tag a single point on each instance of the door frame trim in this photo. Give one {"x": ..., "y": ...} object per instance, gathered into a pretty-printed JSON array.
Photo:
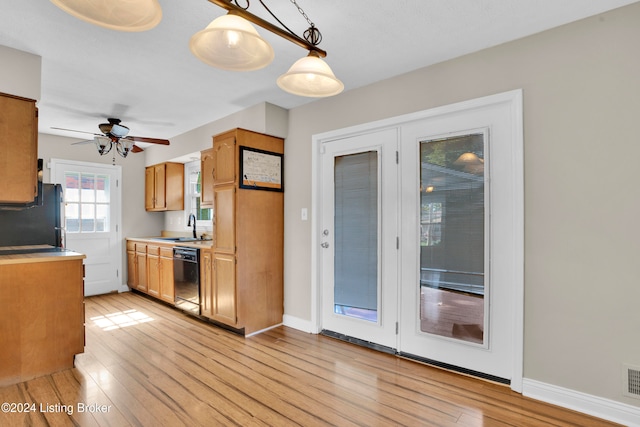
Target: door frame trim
[{"x": 515, "y": 100}]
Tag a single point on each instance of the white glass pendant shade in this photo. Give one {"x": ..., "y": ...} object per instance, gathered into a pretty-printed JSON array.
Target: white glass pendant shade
[
  {"x": 121, "y": 15},
  {"x": 103, "y": 144},
  {"x": 310, "y": 76},
  {"x": 230, "y": 42}
]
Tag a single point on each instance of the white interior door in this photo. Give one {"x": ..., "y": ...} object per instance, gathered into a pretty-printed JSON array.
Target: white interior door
[
  {"x": 91, "y": 195},
  {"x": 359, "y": 237}
]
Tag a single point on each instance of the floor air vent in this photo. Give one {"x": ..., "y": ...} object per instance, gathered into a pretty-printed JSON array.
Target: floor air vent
[{"x": 632, "y": 381}]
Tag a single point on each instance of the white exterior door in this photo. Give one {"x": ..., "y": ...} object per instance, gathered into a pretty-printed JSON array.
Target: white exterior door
[
  {"x": 91, "y": 195},
  {"x": 359, "y": 237},
  {"x": 459, "y": 267}
]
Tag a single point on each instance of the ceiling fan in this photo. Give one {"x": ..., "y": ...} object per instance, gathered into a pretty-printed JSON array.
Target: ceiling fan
[{"x": 115, "y": 134}]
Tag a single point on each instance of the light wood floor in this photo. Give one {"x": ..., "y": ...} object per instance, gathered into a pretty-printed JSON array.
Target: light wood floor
[{"x": 151, "y": 366}]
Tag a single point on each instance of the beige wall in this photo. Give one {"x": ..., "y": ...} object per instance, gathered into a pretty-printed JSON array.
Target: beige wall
[
  {"x": 20, "y": 73},
  {"x": 581, "y": 87}
]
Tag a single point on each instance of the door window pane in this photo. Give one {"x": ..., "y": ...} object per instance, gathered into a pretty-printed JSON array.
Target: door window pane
[
  {"x": 452, "y": 240},
  {"x": 87, "y": 202},
  {"x": 356, "y": 236},
  {"x": 72, "y": 187}
]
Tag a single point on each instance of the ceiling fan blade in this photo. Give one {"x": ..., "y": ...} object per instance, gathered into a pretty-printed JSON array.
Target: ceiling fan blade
[
  {"x": 80, "y": 131},
  {"x": 89, "y": 141},
  {"x": 149, "y": 140},
  {"x": 136, "y": 149}
]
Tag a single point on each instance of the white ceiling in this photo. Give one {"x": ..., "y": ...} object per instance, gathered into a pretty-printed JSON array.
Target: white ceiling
[{"x": 156, "y": 86}]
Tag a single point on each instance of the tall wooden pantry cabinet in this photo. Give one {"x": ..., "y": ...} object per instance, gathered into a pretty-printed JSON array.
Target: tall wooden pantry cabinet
[{"x": 248, "y": 238}]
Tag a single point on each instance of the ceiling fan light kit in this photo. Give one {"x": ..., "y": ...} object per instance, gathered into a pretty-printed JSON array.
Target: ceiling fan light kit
[
  {"x": 115, "y": 135},
  {"x": 229, "y": 42},
  {"x": 120, "y": 15}
]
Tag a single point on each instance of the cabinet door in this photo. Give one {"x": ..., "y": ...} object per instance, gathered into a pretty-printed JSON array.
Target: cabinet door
[
  {"x": 225, "y": 223},
  {"x": 153, "y": 275},
  {"x": 149, "y": 188},
  {"x": 141, "y": 270},
  {"x": 224, "y": 289},
  {"x": 224, "y": 155},
  {"x": 160, "y": 190},
  {"x": 132, "y": 274},
  {"x": 19, "y": 148},
  {"x": 206, "y": 178},
  {"x": 206, "y": 284},
  {"x": 167, "y": 289}
]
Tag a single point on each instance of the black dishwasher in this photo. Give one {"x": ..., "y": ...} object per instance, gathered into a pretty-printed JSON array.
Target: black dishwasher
[{"x": 186, "y": 277}]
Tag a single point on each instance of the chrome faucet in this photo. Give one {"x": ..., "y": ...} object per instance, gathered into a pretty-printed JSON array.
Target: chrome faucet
[{"x": 189, "y": 224}]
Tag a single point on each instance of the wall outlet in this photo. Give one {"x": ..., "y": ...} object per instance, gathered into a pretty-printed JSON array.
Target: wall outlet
[{"x": 303, "y": 214}]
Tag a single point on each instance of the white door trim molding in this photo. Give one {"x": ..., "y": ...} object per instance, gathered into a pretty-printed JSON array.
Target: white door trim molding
[
  {"x": 587, "y": 404},
  {"x": 514, "y": 100}
]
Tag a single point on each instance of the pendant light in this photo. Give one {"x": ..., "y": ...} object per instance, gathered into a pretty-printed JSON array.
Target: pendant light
[
  {"x": 121, "y": 15},
  {"x": 310, "y": 76},
  {"x": 230, "y": 42}
]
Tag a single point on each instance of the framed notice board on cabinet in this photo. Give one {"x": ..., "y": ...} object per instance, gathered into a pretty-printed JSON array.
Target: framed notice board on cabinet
[{"x": 261, "y": 170}]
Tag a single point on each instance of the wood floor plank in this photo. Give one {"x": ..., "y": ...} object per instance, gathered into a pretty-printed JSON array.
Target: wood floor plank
[{"x": 158, "y": 367}]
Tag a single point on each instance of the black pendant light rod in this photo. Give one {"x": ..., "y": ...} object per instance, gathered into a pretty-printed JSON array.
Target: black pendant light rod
[{"x": 237, "y": 10}]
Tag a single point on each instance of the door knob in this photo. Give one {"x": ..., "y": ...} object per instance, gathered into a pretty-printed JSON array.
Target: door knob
[{"x": 324, "y": 245}]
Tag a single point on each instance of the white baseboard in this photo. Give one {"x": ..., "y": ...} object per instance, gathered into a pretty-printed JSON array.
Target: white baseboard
[
  {"x": 592, "y": 405},
  {"x": 297, "y": 323}
]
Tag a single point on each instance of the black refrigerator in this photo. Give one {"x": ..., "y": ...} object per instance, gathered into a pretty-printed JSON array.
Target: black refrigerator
[{"x": 37, "y": 225}]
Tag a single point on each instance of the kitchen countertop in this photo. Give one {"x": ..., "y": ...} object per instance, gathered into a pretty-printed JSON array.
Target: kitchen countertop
[
  {"x": 207, "y": 244},
  {"x": 36, "y": 253}
]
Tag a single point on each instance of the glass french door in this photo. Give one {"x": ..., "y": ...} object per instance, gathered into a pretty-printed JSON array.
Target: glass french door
[
  {"x": 359, "y": 238},
  {"x": 459, "y": 253},
  {"x": 427, "y": 260}
]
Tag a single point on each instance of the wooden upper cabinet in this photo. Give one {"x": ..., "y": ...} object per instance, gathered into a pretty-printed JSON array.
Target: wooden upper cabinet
[
  {"x": 224, "y": 160},
  {"x": 160, "y": 180},
  {"x": 18, "y": 148},
  {"x": 150, "y": 188},
  {"x": 164, "y": 187},
  {"x": 206, "y": 178},
  {"x": 224, "y": 230}
]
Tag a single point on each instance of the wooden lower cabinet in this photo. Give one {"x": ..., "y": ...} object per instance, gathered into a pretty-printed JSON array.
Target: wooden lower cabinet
[
  {"x": 141, "y": 267},
  {"x": 150, "y": 269},
  {"x": 225, "y": 299},
  {"x": 153, "y": 270},
  {"x": 42, "y": 318},
  {"x": 167, "y": 289},
  {"x": 132, "y": 265},
  {"x": 206, "y": 283}
]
